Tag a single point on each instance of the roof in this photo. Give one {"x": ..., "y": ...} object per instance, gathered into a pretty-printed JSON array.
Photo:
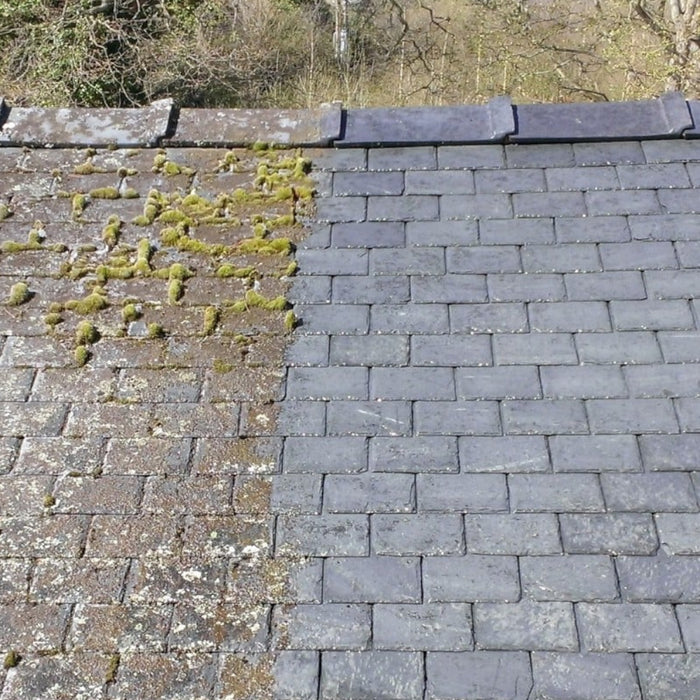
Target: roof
[{"x": 471, "y": 469}]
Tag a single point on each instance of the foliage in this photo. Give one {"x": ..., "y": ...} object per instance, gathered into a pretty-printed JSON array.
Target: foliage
[{"x": 257, "y": 53}]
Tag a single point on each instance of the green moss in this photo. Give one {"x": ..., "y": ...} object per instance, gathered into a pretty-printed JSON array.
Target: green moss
[
  {"x": 290, "y": 321},
  {"x": 178, "y": 271},
  {"x": 53, "y": 319},
  {"x": 211, "y": 318},
  {"x": 105, "y": 193},
  {"x": 126, "y": 172},
  {"x": 276, "y": 246},
  {"x": 113, "y": 668},
  {"x": 86, "y": 333},
  {"x": 282, "y": 194},
  {"x": 92, "y": 303},
  {"x": 87, "y": 168},
  {"x": 110, "y": 233},
  {"x": 159, "y": 160},
  {"x": 5, "y": 212},
  {"x": 175, "y": 291},
  {"x": 228, "y": 163},
  {"x": 229, "y": 270},
  {"x": 130, "y": 312},
  {"x": 81, "y": 355},
  {"x": 12, "y": 658},
  {"x": 103, "y": 273},
  {"x": 291, "y": 269},
  {"x": 239, "y": 307},
  {"x": 304, "y": 192},
  {"x": 49, "y": 501},
  {"x": 130, "y": 193},
  {"x": 222, "y": 367},
  {"x": 260, "y": 146},
  {"x": 19, "y": 294},
  {"x": 55, "y": 307},
  {"x": 155, "y": 330},
  {"x": 141, "y": 220},
  {"x": 78, "y": 204}
]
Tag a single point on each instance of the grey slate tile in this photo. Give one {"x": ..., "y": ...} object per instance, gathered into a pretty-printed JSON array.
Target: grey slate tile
[
  {"x": 688, "y": 253},
  {"x": 417, "y": 534},
  {"x": 327, "y": 319},
  {"x": 470, "y": 578},
  {"x": 581, "y": 179},
  {"x": 584, "y": 676},
  {"x": 631, "y": 416},
  {"x": 320, "y": 627},
  {"x": 679, "y": 346},
  {"x": 618, "y": 533},
  {"x": 475, "y": 206},
  {"x": 670, "y": 452},
  {"x": 669, "y": 676},
  {"x": 674, "y": 315},
  {"x": 604, "y": 286},
  {"x": 663, "y": 380},
  {"x": 511, "y": 455},
  {"x": 369, "y": 234},
  {"x": 323, "y": 535},
  {"x": 525, "y": 287},
  {"x": 504, "y": 382},
  {"x": 638, "y": 255},
  {"x": 628, "y": 202},
  {"x": 410, "y": 318},
  {"x": 417, "y": 454},
  {"x": 659, "y": 491},
  {"x": 340, "y": 158},
  {"x": 583, "y": 382},
  {"x": 296, "y": 674},
  {"x": 516, "y": 534},
  {"x": 572, "y": 577},
  {"x": 669, "y": 150},
  {"x": 488, "y": 318},
  {"x": 678, "y": 202},
  {"x": 549, "y": 204},
  {"x": 569, "y": 316},
  {"x": 310, "y": 289},
  {"x": 498, "y": 675},
  {"x": 592, "y": 229},
  {"x": 398, "y": 158},
  {"x": 653, "y": 176},
  {"x": 574, "y": 257},
  {"x": 616, "y": 627},
  {"x": 328, "y": 383},
  {"x": 483, "y": 259},
  {"x": 516, "y": 232},
  {"x": 337, "y": 209},
  {"x": 368, "y": 418},
  {"x": 668, "y": 227},
  {"x": 372, "y": 580},
  {"x": 333, "y": 262},
  {"x": 296, "y": 493},
  {"x": 689, "y": 620},
  {"x": 369, "y": 493},
  {"x": 299, "y": 418},
  {"x": 534, "y": 349},
  {"x": 541, "y": 155},
  {"x": 525, "y": 625},
  {"x": 325, "y": 455},
  {"x": 442, "y": 233},
  {"x": 412, "y": 383},
  {"x": 471, "y": 157},
  {"x": 509, "y": 181},
  {"x": 595, "y": 453},
  {"x": 450, "y": 350},
  {"x": 456, "y": 418},
  {"x": 381, "y": 675},
  {"x": 370, "y": 350},
  {"x": 428, "y": 627},
  {"x": 609, "y": 153},
  {"x": 555, "y": 493},
  {"x": 439, "y": 182},
  {"x": 545, "y": 416},
  {"x": 413, "y": 207},
  {"x": 461, "y": 493},
  {"x": 679, "y": 533},
  {"x": 363, "y": 184},
  {"x": 673, "y": 284},
  {"x": 355, "y": 289},
  {"x": 450, "y": 289},
  {"x": 628, "y": 347},
  {"x": 659, "y": 578}
]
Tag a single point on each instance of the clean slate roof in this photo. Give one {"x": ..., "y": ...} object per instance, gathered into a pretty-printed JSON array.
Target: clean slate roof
[{"x": 476, "y": 470}]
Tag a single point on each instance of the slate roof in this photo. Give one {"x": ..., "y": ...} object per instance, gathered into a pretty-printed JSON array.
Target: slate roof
[{"x": 483, "y": 470}]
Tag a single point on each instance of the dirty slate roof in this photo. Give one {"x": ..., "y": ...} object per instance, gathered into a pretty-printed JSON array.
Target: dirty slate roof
[{"x": 466, "y": 466}]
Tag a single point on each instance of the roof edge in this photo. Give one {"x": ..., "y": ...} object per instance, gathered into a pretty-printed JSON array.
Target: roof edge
[{"x": 497, "y": 121}]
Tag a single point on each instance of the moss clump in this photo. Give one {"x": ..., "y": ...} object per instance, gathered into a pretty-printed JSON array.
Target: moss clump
[
  {"x": 253, "y": 299},
  {"x": 130, "y": 193},
  {"x": 175, "y": 291},
  {"x": 229, "y": 270},
  {"x": 211, "y": 318},
  {"x": 105, "y": 193},
  {"x": 126, "y": 172},
  {"x": 87, "y": 168},
  {"x": 260, "y": 146},
  {"x": 5, "y": 212},
  {"x": 144, "y": 252},
  {"x": 276, "y": 246},
  {"x": 53, "y": 319},
  {"x": 290, "y": 321},
  {"x": 130, "y": 312},
  {"x": 12, "y": 658},
  {"x": 161, "y": 164},
  {"x": 92, "y": 303},
  {"x": 78, "y": 204},
  {"x": 291, "y": 269},
  {"x": 175, "y": 216},
  {"x": 222, "y": 367},
  {"x": 49, "y": 501},
  {"x": 180, "y": 239},
  {"x": 103, "y": 273},
  {"x": 81, "y": 355},
  {"x": 113, "y": 668},
  {"x": 228, "y": 163},
  {"x": 110, "y": 233},
  {"x": 86, "y": 333},
  {"x": 19, "y": 294},
  {"x": 155, "y": 330}
]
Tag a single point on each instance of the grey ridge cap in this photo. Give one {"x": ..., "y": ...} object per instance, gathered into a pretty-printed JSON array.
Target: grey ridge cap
[
  {"x": 403, "y": 126},
  {"x": 664, "y": 117},
  {"x": 694, "y": 132},
  {"x": 75, "y": 126},
  {"x": 240, "y": 127}
]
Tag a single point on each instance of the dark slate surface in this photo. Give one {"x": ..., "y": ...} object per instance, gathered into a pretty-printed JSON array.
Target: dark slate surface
[
  {"x": 666, "y": 116},
  {"x": 501, "y": 348},
  {"x": 411, "y": 125}
]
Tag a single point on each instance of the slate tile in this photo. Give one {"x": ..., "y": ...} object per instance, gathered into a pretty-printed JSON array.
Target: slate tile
[
  {"x": 515, "y": 534},
  {"x": 369, "y": 350},
  {"x": 609, "y": 153},
  {"x": 669, "y": 150},
  {"x": 416, "y": 454},
  {"x": 325, "y": 455},
  {"x": 592, "y": 229},
  {"x": 581, "y": 179},
  {"x": 525, "y": 287},
  {"x": 323, "y": 535},
  {"x": 462, "y": 493},
  {"x": 673, "y": 284},
  {"x": 475, "y": 206},
  {"x": 679, "y": 533},
  {"x": 660, "y": 578},
  {"x": 415, "y": 207},
  {"x": 410, "y": 318},
  {"x": 328, "y": 383},
  {"x": 441, "y": 233},
  {"x": 370, "y": 234},
  {"x": 423, "y": 534},
  {"x": 505, "y": 317},
  {"x": 638, "y": 255},
  {"x": 450, "y": 350},
  {"x": 569, "y": 316},
  {"x": 595, "y": 453},
  {"x": 471, "y": 156},
  {"x": 326, "y": 319},
  {"x": 539, "y": 204},
  {"x": 677, "y": 202},
  {"x": 392, "y": 289},
  {"x": 546, "y": 416},
  {"x": 679, "y": 346},
  {"x": 665, "y": 227},
  {"x": 663, "y": 380},
  {"x": 668, "y": 492},
  {"x": 369, "y": 493},
  {"x": 363, "y": 184},
  {"x": 670, "y": 452},
  {"x": 628, "y": 347},
  {"x": 450, "y": 289},
  {"x": 623, "y": 533},
  {"x": 508, "y": 455},
  {"x": 572, "y": 257},
  {"x": 604, "y": 286},
  {"x": 400, "y": 158},
  {"x": 653, "y": 176},
  {"x": 503, "y": 382},
  {"x": 508, "y": 181},
  {"x": 631, "y": 416},
  {"x": 534, "y": 349},
  {"x": 689, "y": 620},
  {"x": 439, "y": 182},
  {"x": 546, "y": 493},
  {"x": 628, "y": 202},
  {"x": 368, "y": 418},
  {"x": 545, "y": 155},
  {"x": 583, "y": 382},
  {"x": 456, "y": 418},
  {"x": 669, "y": 676},
  {"x": 483, "y": 259},
  {"x": 412, "y": 383}
]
